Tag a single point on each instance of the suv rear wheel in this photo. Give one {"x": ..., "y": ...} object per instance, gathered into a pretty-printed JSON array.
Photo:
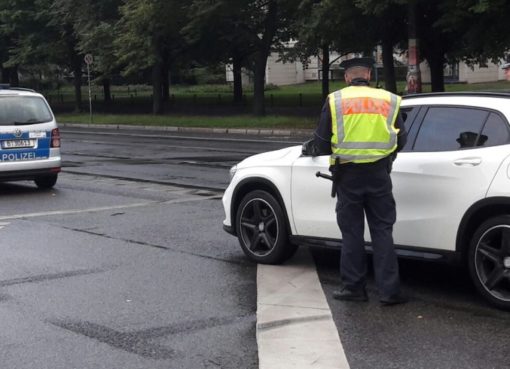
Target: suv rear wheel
[
  {"x": 489, "y": 260},
  {"x": 47, "y": 181},
  {"x": 261, "y": 229}
]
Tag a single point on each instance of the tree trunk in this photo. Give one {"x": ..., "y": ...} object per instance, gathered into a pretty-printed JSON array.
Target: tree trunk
[
  {"x": 13, "y": 76},
  {"x": 77, "y": 83},
  {"x": 238, "y": 79},
  {"x": 6, "y": 73},
  {"x": 436, "y": 63},
  {"x": 325, "y": 72},
  {"x": 259, "y": 106},
  {"x": 10, "y": 76},
  {"x": 157, "y": 95},
  {"x": 264, "y": 49},
  {"x": 165, "y": 86},
  {"x": 107, "y": 93},
  {"x": 390, "y": 83}
]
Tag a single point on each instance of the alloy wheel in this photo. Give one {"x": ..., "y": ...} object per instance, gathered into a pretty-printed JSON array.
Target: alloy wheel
[
  {"x": 492, "y": 261},
  {"x": 259, "y": 227}
]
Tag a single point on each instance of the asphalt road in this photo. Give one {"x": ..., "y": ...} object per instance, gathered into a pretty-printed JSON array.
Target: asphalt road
[
  {"x": 124, "y": 264},
  {"x": 116, "y": 268},
  {"x": 186, "y": 159},
  {"x": 444, "y": 325}
]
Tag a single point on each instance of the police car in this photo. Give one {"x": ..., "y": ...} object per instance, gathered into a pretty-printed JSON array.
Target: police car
[
  {"x": 451, "y": 183},
  {"x": 29, "y": 138}
]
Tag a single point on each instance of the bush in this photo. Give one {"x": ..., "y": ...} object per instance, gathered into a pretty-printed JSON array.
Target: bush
[{"x": 271, "y": 86}]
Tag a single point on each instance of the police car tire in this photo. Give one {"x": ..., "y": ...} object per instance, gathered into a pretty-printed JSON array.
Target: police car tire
[
  {"x": 487, "y": 258},
  {"x": 261, "y": 228},
  {"x": 47, "y": 181}
]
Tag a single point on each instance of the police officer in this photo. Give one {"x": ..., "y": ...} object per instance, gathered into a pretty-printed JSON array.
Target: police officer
[{"x": 362, "y": 129}]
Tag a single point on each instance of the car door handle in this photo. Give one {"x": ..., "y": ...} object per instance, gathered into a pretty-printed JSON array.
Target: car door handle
[{"x": 468, "y": 162}]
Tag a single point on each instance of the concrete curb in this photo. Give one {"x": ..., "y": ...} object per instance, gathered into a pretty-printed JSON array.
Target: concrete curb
[
  {"x": 236, "y": 131},
  {"x": 295, "y": 328}
]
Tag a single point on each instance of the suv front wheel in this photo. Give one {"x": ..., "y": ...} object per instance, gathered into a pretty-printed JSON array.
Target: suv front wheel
[
  {"x": 262, "y": 230},
  {"x": 489, "y": 260}
]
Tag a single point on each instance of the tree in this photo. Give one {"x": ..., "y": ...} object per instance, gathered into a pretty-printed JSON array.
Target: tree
[
  {"x": 315, "y": 30},
  {"x": 148, "y": 36},
  {"x": 435, "y": 42},
  {"x": 267, "y": 16},
  {"x": 42, "y": 33},
  {"x": 216, "y": 33},
  {"x": 24, "y": 32},
  {"x": 253, "y": 29},
  {"x": 62, "y": 15},
  {"x": 95, "y": 27},
  {"x": 319, "y": 32},
  {"x": 481, "y": 28},
  {"x": 388, "y": 29}
]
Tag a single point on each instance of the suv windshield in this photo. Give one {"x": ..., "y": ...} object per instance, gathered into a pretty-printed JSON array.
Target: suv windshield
[{"x": 19, "y": 110}]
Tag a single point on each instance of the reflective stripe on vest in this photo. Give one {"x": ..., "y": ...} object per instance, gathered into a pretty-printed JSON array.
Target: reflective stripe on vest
[{"x": 363, "y": 124}]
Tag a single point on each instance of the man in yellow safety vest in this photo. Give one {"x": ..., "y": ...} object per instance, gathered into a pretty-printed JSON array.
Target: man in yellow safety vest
[{"x": 362, "y": 130}]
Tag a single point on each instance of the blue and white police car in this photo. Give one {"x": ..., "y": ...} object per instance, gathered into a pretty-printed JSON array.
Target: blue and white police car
[{"x": 29, "y": 138}]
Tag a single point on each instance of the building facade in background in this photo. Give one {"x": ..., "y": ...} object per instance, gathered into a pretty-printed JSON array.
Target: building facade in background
[{"x": 282, "y": 73}]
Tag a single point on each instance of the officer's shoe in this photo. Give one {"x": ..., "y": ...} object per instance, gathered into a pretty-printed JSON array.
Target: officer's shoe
[
  {"x": 348, "y": 295},
  {"x": 394, "y": 300}
]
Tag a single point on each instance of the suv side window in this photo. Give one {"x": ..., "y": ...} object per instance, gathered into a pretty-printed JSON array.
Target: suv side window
[
  {"x": 495, "y": 132},
  {"x": 450, "y": 128},
  {"x": 408, "y": 115}
]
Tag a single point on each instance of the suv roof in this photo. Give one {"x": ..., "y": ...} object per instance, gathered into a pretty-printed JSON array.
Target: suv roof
[
  {"x": 460, "y": 93},
  {"x": 497, "y": 101}
]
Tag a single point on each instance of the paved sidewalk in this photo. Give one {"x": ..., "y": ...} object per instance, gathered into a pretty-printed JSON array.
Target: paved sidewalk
[{"x": 295, "y": 328}]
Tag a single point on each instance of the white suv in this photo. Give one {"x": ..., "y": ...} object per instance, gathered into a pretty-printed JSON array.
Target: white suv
[
  {"x": 29, "y": 138},
  {"x": 451, "y": 184}
]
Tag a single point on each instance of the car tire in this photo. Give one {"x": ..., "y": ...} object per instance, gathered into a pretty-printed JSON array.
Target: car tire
[
  {"x": 47, "y": 181},
  {"x": 262, "y": 229},
  {"x": 489, "y": 261}
]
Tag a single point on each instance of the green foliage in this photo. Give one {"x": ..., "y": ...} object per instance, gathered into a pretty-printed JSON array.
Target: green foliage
[
  {"x": 95, "y": 27},
  {"x": 217, "y": 30},
  {"x": 481, "y": 29},
  {"x": 46, "y": 39},
  {"x": 25, "y": 31},
  {"x": 148, "y": 32}
]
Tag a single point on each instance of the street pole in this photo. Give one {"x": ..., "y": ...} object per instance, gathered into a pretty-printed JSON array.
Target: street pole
[
  {"x": 413, "y": 77},
  {"x": 88, "y": 60}
]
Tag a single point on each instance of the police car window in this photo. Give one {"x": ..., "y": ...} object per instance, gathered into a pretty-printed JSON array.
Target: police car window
[
  {"x": 20, "y": 110},
  {"x": 450, "y": 128},
  {"x": 495, "y": 132}
]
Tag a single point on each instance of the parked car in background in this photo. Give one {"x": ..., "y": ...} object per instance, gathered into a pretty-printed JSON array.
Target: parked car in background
[
  {"x": 451, "y": 184},
  {"x": 29, "y": 138}
]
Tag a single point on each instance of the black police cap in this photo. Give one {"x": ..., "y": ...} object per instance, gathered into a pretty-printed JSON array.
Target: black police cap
[{"x": 357, "y": 62}]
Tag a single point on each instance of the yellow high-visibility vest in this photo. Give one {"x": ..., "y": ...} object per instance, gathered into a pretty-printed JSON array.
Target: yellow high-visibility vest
[{"x": 363, "y": 124}]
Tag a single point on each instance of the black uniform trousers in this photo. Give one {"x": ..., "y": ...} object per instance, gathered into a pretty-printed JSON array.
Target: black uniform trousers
[{"x": 367, "y": 189}]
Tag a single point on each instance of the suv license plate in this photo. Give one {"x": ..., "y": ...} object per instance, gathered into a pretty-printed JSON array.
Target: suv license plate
[{"x": 15, "y": 144}]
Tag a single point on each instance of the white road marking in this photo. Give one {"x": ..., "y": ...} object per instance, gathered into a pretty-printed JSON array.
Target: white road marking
[
  {"x": 295, "y": 328},
  {"x": 103, "y": 208},
  {"x": 3, "y": 224}
]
